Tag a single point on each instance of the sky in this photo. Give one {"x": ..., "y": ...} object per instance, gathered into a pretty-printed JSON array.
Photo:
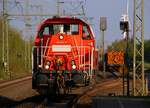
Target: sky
[{"x": 111, "y": 9}]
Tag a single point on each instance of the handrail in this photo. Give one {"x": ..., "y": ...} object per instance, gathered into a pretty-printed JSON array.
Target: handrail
[
  {"x": 81, "y": 56},
  {"x": 46, "y": 45}
]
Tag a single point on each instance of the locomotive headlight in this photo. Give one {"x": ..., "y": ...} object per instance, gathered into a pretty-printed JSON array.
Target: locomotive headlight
[
  {"x": 40, "y": 66},
  {"x": 61, "y": 37},
  {"x": 46, "y": 66},
  {"x": 73, "y": 66}
]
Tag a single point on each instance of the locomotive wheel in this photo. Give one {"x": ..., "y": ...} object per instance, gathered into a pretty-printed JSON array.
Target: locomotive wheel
[
  {"x": 78, "y": 79},
  {"x": 42, "y": 79},
  {"x": 34, "y": 82},
  {"x": 51, "y": 90}
]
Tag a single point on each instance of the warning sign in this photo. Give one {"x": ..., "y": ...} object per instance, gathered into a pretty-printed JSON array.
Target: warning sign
[{"x": 115, "y": 57}]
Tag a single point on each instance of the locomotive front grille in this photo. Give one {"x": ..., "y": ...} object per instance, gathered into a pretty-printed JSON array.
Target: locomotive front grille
[{"x": 61, "y": 48}]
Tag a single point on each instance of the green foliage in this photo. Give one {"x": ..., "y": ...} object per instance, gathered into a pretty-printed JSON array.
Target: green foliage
[
  {"x": 16, "y": 54},
  {"x": 117, "y": 45},
  {"x": 147, "y": 51},
  {"x": 120, "y": 45}
]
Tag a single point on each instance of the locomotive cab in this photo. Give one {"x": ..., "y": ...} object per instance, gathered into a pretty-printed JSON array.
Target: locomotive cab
[{"x": 64, "y": 54}]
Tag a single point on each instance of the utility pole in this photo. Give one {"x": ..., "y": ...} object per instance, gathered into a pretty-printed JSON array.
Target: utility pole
[
  {"x": 124, "y": 26},
  {"x": 103, "y": 27},
  {"x": 26, "y": 34},
  {"x": 139, "y": 86},
  {"x": 58, "y": 8},
  {"x": 5, "y": 34}
]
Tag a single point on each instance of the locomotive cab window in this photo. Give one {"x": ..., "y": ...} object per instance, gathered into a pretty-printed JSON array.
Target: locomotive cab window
[
  {"x": 46, "y": 31},
  {"x": 75, "y": 29},
  {"x": 69, "y": 29},
  {"x": 85, "y": 33},
  {"x": 58, "y": 28}
]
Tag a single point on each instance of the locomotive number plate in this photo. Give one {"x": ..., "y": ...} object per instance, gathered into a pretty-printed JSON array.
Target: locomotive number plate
[{"x": 61, "y": 48}]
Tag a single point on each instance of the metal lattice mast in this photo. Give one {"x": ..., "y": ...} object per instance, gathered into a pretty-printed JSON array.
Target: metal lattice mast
[{"x": 138, "y": 58}]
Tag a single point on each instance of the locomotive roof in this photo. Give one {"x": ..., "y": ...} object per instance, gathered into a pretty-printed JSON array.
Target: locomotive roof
[
  {"x": 64, "y": 20},
  {"x": 67, "y": 20}
]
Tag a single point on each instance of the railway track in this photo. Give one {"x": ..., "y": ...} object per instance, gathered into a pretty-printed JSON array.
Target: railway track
[
  {"x": 16, "y": 81},
  {"x": 46, "y": 102},
  {"x": 102, "y": 88},
  {"x": 19, "y": 94},
  {"x": 68, "y": 101},
  {"x": 39, "y": 101}
]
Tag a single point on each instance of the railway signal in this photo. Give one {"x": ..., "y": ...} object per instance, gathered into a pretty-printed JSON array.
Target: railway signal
[
  {"x": 103, "y": 27},
  {"x": 124, "y": 26}
]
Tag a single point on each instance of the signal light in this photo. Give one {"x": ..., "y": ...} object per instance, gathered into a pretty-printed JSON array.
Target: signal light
[{"x": 124, "y": 23}]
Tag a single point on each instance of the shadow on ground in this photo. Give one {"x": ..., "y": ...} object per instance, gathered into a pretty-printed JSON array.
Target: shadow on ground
[{"x": 29, "y": 102}]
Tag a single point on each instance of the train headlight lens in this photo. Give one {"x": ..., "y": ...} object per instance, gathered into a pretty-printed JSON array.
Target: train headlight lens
[
  {"x": 46, "y": 66},
  {"x": 61, "y": 37},
  {"x": 40, "y": 66},
  {"x": 73, "y": 66}
]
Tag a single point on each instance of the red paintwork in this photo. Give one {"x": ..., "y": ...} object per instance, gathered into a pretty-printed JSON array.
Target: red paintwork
[{"x": 74, "y": 41}]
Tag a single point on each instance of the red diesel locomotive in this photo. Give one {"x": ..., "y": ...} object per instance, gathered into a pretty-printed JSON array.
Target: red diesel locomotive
[{"x": 64, "y": 55}]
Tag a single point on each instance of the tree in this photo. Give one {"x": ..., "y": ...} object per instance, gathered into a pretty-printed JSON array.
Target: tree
[
  {"x": 120, "y": 45},
  {"x": 16, "y": 53},
  {"x": 147, "y": 50}
]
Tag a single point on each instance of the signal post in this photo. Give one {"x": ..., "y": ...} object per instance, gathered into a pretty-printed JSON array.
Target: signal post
[
  {"x": 124, "y": 26},
  {"x": 103, "y": 27}
]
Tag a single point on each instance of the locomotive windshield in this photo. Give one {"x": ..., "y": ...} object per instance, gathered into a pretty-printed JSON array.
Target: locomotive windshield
[{"x": 69, "y": 29}]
